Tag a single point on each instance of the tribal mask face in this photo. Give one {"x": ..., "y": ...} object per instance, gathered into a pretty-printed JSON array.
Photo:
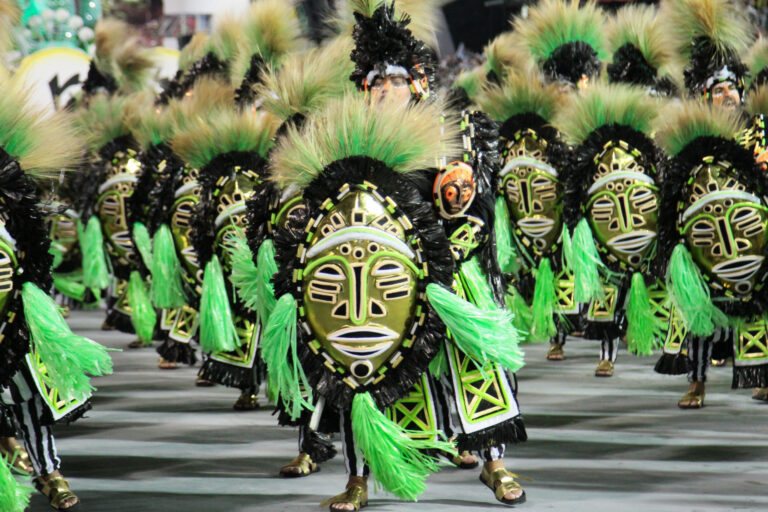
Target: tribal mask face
[
  {"x": 122, "y": 175},
  {"x": 623, "y": 205},
  {"x": 532, "y": 191},
  {"x": 185, "y": 201},
  {"x": 725, "y": 227},
  {"x": 8, "y": 266},
  {"x": 233, "y": 191},
  {"x": 360, "y": 283}
]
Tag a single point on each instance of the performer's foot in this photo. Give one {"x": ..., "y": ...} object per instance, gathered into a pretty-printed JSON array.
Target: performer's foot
[
  {"x": 106, "y": 326},
  {"x": 719, "y": 362},
  {"x": 247, "y": 401},
  {"x": 354, "y": 498},
  {"x": 760, "y": 394},
  {"x": 137, "y": 343},
  {"x": 165, "y": 364},
  {"x": 65, "y": 311},
  {"x": 302, "y": 465},
  {"x": 604, "y": 369},
  {"x": 693, "y": 398},
  {"x": 555, "y": 352},
  {"x": 56, "y": 489},
  {"x": 15, "y": 453},
  {"x": 464, "y": 460},
  {"x": 502, "y": 483}
]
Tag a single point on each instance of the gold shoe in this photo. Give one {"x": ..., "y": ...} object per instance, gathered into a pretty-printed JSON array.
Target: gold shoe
[
  {"x": 691, "y": 400},
  {"x": 356, "y": 495},
  {"x": 15, "y": 453},
  {"x": 136, "y": 344},
  {"x": 502, "y": 482},
  {"x": 165, "y": 364},
  {"x": 604, "y": 369},
  {"x": 246, "y": 402},
  {"x": 57, "y": 491},
  {"x": 460, "y": 460},
  {"x": 719, "y": 362},
  {"x": 302, "y": 465},
  {"x": 760, "y": 394},
  {"x": 203, "y": 383},
  {"x": 555, "y": 352}
]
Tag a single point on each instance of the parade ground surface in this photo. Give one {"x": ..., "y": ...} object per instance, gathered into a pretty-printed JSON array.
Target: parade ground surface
[{"x": 156, "y": 443}]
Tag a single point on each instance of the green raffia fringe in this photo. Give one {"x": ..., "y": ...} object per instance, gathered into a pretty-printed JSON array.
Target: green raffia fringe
[
  {"x": 543, "y": 327},
  {"x": 14, "y": 497},
  {"x": 57, "y": 251},
  {"x": 167, "y": 287},
  {"x": 267, "y": 267},
  {"x": 690, "y": 294},
  {"x": 644, "y": 329},
  {"x": 487, "y": 336},
  {"x": 567, "y": 247},
  {"x": 95, "y": 272},
  {"x": 67, "y": 357},
  {"x": 286, "y": 376},
  {"x": 438, "y": 366},
  {"x": 523, "y": 317},
  {"x": 70, "y": 285},
  {"x": 143, "y": 314},
  {"x": 505, "y": 251},
  {"x": 244, "y": 276},
  {"x": 585, "y": 263},
  {"x": 143, "y": 243},
  {"x": 397, "y": 462},
  {"x": 217, "y": 327}
]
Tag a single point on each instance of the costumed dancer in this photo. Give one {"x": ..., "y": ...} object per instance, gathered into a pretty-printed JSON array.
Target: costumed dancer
[
  {"x": 714, "y": 251},
  {"x": 43, "y": 375}
]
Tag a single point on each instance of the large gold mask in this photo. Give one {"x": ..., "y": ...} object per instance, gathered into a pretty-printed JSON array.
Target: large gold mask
[
  {"x": 8, "y": 264},
  {"x": 725, "y": 227},
  {"x": 623, "y": 205},
  {"x": 532, "y": 191},
  {"x": 233, "y": 190},
  {"x": 186, "y": 198},
  {"x": 63, "y": 227},
  {"x": 122, "y": 175},
  {"x": 360, "y": 283}
]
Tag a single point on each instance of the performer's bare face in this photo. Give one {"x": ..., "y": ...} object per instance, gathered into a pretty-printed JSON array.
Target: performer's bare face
[
  {"x": 392, "y": 87},
  {"x": 725, "y": 94}
]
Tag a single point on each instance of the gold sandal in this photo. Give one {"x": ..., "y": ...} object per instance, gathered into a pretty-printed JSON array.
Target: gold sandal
[
  {"x": 305, "y": 465},
  {"x": 760, "y": 394},
  {"x": 502, "y": 482},
  {"x": 604, "y": 369},
  {"x": 57, "y": 491},
  {"x": 356, "y": 495},
  {"x": 691, "y": 400},
  {"x": 15, "y": 454},
  {"x": 165, "y": 364},
  {"x": 555, "y": 352},
  {"x": 247, "y": 401}
]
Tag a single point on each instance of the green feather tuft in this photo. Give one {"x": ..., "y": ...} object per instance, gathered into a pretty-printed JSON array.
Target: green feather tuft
[
  {"x": 689, "y": 294},
  {"x": 398, "y": 462},
  {"x": 523, "y": 316},
  {"x": 95, "y": 272},
  {"x": 521, "y": 92},
  {"x": 279, "y": 351},
  {"x": 267, "y": 267},
  {"x": 757, "y": 58},
  {"x": 167, "y": 286},
  {"x": 438, "y": 366},
  {"x": 543, "y": 326},
  {"x": 217, "y": 328},
  {"x": 143, "y": 314},
  {"x": 104, "y": 120},
  {"x": 686, "y": 121},
  {"x": 143, "y": 243},
  {"x": 14, "y": 497},
  {"x": 70, "y": 285},
  {"x": 244, "y": 275},
  {"x": 585, "y": 263},
  {"x": 505, "y": 250},
  {"x": 487, "y": 336},
  {"x": 67, "y": 357},
  {"x": 471, "y": 82},
  {"x": 644, "y": 329}
]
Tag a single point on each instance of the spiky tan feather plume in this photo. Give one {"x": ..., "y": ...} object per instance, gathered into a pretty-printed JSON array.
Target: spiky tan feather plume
[
  {"x": 227, "y": 38},
  {"x": 757, "y": 57},
  {"x": 424, "y": 15},
  {"x": 10, "y": 15},
  {"x": 103, "y": 120},
  {"x": 504, "y": 54},
  {"x": 757, "y": 101},
  {"x": 120, "y": 55},
  {"x": 193, "y": 51},
  {"x": 404, "y": 138},
  {"x": 685, "y": 121},
  {"x": 522, "y": 92}
]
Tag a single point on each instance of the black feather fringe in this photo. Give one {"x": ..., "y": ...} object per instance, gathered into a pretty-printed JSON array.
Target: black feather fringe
[
  {"x": 177, "y": 352},
  {"x": 509, "y": 432},
  {"x": 745, "y": 377},
  {"x": 227, "y": 375},
  {"x": 673, "y": 364}
]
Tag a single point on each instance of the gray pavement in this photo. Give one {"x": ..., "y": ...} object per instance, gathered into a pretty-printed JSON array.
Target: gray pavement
[{"x": 156, "y": 443}]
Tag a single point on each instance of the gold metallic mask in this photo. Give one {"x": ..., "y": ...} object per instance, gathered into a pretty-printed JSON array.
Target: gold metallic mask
[
  {"x": 623, "y": 206},
  {"x": 360, "y": 283},
  {"x": 233, "y": 191},
  {"x": 122, "y": 174},
  {"x": 185, "y": 202},
  {"x": 532, "y": 191},
  {"x": 8, "y": 265},
  {"x": 725, "y": 227}
]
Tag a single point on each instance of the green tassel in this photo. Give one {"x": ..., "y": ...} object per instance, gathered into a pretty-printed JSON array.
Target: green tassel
[
  {"x": 217, "y": 327},
  {"x": 486, "y": 335},
  {"x": 567, "y": 247},
  {"x": 690, "y": 294},
  {"x": 644, "y": 329},
  {"x": 143, "y": 314},
  {"x": 543, "y": 326},
  {"x": 143, "y": 243},
  {"x": 244, "y": 276},
  {"x": 267, "y": 267},
  {"x": 287, "y": 380},
  {"x": 397, "y": 462},
  {"x": 523, "y": 316},
  {"x": 585, "y": 263},
  {"x": 14, "y": 497},
  {"x": 167, "y": 287},
  {"x": 70, "y": 285},
  {"x": 505, "y": 251},
  {"x": 438, "y": 366},
  {"x": 95, "y": 272},
  {"x": 67, "y": 357},
  {"x": 57, "y": 251}
]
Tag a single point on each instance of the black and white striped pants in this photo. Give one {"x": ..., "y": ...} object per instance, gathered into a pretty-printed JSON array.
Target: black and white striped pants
[{"x": 700, "y": 353}]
